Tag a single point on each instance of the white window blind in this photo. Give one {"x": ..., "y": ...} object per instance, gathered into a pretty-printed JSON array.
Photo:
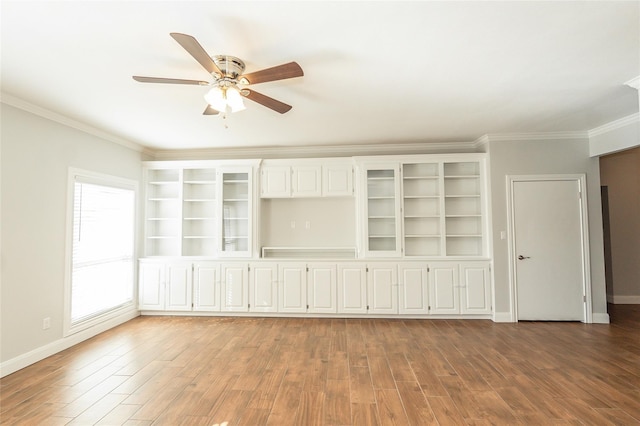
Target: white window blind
[{"x": 103, "y": 249}]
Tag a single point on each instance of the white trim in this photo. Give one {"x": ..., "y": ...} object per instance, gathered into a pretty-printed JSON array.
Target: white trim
[
  {"x": 503, "y": 317},
  {"x": 614, "y": 125},
  {"x": 38, "y": 354},
  {"x": 270, "y": 152},
  {"x": 540, "y": 136},
  {"x": 107, "y": 180},
  {"x": 67, "y": 121},
  {"x": 586, "y": 265},
  {"x": 634, "y": 82},
  {"x": 624, "y": 299},
  {"x": 600, "y": 318}
]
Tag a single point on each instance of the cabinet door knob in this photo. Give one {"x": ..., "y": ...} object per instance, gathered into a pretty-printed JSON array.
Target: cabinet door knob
[{"x": 521, "y": 257}]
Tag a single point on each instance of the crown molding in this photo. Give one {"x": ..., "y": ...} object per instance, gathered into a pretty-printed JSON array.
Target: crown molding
[
  {"x": 271, "y": 152},
  {"x": 539, "y": 136},
  {"x": 614, "y": 125},
  {"x": 634, "y": 82},
  {"x": 67, "y": 121}
]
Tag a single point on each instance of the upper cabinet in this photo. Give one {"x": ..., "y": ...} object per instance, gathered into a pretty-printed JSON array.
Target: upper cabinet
[
  {"x": 381, "y": 208},
  {"x": 236, "y": 217},
  {"x": 199, "y": 208},
  {"x": 299, "y": 179},
  {"x": 423, "y": 206}
]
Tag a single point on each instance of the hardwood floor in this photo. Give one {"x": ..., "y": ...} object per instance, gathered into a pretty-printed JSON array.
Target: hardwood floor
[{"x": 290, "y": 371}]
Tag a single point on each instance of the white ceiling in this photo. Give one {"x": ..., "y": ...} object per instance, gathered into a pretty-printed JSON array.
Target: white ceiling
[{"x": 375, "y": 72}]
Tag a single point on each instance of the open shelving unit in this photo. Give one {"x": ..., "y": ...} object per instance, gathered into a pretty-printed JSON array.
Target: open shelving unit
[
  {"x": 421, "y": 209},
  {"x": 235, "y": 212},
  {"x": 199, "y": 212},
  {"x": 163, "y": 213},
  {"x": 463, "y": 209}
]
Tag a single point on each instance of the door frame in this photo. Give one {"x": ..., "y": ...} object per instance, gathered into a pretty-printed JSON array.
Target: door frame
[{"x": 587, "y": 316}]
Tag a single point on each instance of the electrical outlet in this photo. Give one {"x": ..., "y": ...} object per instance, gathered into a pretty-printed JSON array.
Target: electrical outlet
[{"x": 46, "y": 323}]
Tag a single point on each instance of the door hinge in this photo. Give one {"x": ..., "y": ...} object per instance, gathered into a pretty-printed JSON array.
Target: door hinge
[
  {"x": 367, "y": 270},
  {"x": 307, "y": 269},
  {"x": 248, "y": 268},
  {"x": 584, "y": 298},
  {"x": 249, "y": 306},
  {"x": 367, "y": 307},
  {"x": 307, "y": 306}
]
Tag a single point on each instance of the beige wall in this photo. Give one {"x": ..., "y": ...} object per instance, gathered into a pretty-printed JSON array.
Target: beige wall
[
  {"x": 531, "y": 157},
  {"x": 620, "y": 172},
  {"x": 36, "y": 156}
]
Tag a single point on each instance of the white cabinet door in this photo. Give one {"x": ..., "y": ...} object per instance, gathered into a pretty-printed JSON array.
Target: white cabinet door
[
  {"x": 380, "y": 204},
  {"x": 292, "y": 291},
  {"x": 382, "y": 288},
  {"x": 178, "y": 287},
  {"x": 234, "y": 288},
  {"x": 206, "y": 287},
  {"x": 276, "y": 182},
  {"x": 151, "y": 286},
  {"x": 236, "y": 212},
  {"x": 475, "y": 283},
  {"x": 263, "y": 286},
  {"x": 321, "y": 294},
  {"x": 413, "y": 289},
  {"x": 352, "y": 288},
  {"x": 306, "y": 181},
  {"x": 444, "y": 292},
  {"x": 337, "y": 180}
]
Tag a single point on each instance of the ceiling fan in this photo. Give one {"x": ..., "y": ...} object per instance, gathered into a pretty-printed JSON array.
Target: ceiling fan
[{"x": 228, "y": 86}]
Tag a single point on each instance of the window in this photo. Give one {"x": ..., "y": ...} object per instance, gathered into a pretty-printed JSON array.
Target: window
[{"x": 102, "y": 251}]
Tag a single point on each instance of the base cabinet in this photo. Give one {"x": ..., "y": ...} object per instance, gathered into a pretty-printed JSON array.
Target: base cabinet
[
  {"x": 263, "y": 288},
  {"x": 349, "y": 288},
  {"x": 382, "y": 288},
  {"x": 206, "y": 287},
  {"x": 352, "y": 288},
  {"x": 321, "y": 294},
  {"x": 444, "y": 290},
  {"x": 413, "y": 289},
  {"x": 165, "y": 287},
  {"x": 234, "y": 288},
  {"x": 475, "y": 286},
  {"x": 460, "y": 288},
  {"x": 292, "y": 288}
]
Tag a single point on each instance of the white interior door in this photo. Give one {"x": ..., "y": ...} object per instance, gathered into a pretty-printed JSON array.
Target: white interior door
[{"x": 548, "y": 250}]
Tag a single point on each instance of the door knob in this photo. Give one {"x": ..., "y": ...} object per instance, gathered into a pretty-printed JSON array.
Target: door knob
[{"x": 521, "y": 257}]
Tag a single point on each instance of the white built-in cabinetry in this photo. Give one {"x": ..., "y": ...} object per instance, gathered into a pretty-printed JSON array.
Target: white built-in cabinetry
[
  {"x": 299, "y": 179},
  {"x": 426, "y": 208},
  {"x": 420, "y": 249},
  {"x": 199, "y": 209},
  {"x": 342, "y": 288}
]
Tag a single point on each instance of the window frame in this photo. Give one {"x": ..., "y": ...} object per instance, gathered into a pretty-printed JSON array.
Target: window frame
[{"x": 90, "y": 177}]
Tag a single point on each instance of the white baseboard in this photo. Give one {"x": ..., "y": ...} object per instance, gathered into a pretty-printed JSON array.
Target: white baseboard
[
  {"x": 503, "y": 317},
  {"x": 600, "y": 318},
  {"x": 623, "y": 300},
  {"x": 38, "y": 354}
]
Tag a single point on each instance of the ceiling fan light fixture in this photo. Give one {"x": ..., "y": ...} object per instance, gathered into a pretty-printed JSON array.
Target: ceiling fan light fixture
[
  {"x": 215, "y": 97},
  {"x": 234, "y": 100}
]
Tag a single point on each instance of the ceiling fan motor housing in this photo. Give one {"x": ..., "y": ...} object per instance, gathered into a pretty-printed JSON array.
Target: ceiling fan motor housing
[{"x": 231, "y": 66}]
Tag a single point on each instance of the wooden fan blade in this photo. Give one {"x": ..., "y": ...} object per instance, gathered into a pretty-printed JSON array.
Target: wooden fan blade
[
  {"x": 192, "y": 46},
  {"x": 169, "y": 80},
  {"x": 210, "y": 111},
  {"x": 280, "y": 72},
  {"x": 266, "y": 101}
]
